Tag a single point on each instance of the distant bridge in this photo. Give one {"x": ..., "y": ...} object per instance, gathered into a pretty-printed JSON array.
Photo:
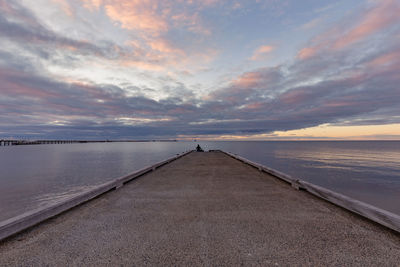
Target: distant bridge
[{"x": 13, "y": 142}]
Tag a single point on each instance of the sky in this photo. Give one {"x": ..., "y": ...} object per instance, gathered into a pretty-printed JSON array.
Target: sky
[{"x": 206, "y": 69}]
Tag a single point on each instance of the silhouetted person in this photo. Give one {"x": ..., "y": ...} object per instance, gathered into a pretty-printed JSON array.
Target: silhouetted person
[{"x": 198, "y": 148}]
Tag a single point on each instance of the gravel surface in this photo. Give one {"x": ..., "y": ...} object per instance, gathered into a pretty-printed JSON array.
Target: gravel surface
[{"x": 205, "y": 209}]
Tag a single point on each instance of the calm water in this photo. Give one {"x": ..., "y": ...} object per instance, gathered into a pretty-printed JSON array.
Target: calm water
[
  {"x": 34, "y": 176},
  {"x": 365, "y": 170},
  {"x": 38, "y": 175}
]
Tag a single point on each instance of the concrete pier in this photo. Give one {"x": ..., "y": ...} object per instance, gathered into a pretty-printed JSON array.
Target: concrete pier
[{"x": 205, "y": 209}]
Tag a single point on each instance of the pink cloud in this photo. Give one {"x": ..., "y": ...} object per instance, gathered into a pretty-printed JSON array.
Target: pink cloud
[
  {"x": 383, "y": 15},
  {"x": 255, "y": 105},
  {"x": 376, "y": 19},
  {"x": 307, "y": 52},
  {"x": 247, "y": 80},
  {"x": 311, "y": 24},
  {"x": 262, "y": 51},
  {"x": 293, "y": 97},
  {"x": 13, "y": 11},
  {"x": 13, "y": 89},
  {"x": 6, "y": 7},
  {"x": 385, "y": 60}
]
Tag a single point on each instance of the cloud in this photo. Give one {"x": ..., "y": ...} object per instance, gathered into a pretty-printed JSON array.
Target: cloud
[
  {"x": 170, "y": 33},
  {"x": 66, "y": 7},
  {"x": 151, "y": 20},
  {"x": 385, "y": 14},
  {"x": 377, "y": 19},
  {"x": 307, "y": 52},
  {"x": 353, "y": 83},
  {"x": 137, "y": 15},
  {"x": 311, "y": 24},
  {"x": 47, "y": 101},
  {"x": 148, "y": 23},
  {"x": 20, "y": 26},
  {"x": 154, "y": 17},
  {"x": 262, "y": 51},
  {"x": 340, "y": 77}
]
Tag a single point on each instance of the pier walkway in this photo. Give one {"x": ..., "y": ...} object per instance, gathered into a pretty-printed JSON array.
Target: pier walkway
[{"x": 204, "y": 209}]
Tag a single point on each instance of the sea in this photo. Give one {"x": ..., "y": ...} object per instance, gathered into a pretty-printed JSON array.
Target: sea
[{"x": 35, "y": 176}]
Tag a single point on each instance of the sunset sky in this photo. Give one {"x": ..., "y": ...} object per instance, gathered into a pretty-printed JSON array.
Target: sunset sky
[{"x": 206, "y": 69}]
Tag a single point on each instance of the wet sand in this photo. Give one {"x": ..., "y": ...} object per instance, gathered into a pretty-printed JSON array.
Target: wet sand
[{"x": 204, "y": 209}]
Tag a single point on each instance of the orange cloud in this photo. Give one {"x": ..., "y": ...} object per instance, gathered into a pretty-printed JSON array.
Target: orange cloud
[
  {"x": 265, "y": 49},
  {"x": 164, "y": 46},
  {"x": 92, "y": 4},
  {"x": 150, "y": 21},
  {"x": 361, "y": 132},
  {"x": 137, "y": 15},
  {"x": 152, "y": 17}
]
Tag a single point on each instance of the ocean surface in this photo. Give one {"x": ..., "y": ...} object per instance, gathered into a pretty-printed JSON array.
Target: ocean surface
[{"x": 39, "y": 175}]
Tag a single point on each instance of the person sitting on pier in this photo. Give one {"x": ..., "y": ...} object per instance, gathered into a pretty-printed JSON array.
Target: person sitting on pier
[{"x": 199, "y": 149}]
